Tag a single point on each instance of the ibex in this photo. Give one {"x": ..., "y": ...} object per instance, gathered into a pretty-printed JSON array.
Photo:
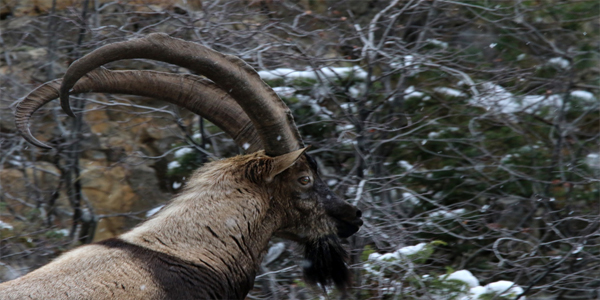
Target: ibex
[{"x": 208, "y": 242}]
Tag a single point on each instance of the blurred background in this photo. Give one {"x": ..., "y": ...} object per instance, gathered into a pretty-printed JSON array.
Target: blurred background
[{"x": 466, "y": 131}]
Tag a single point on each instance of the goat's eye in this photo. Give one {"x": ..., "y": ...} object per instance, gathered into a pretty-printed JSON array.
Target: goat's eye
[{"x": 304, "y": 180}]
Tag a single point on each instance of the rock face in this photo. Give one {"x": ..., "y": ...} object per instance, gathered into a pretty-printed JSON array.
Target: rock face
[
  {"x": 19, "y": 8},
  {"x": 116, "y": 174}
]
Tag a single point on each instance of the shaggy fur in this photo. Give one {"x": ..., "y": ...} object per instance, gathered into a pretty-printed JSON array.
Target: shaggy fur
[{"x": 325, "y": 263}]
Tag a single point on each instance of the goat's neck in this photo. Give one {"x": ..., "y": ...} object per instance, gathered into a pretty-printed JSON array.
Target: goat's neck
[{"x": 225, "y": 227}]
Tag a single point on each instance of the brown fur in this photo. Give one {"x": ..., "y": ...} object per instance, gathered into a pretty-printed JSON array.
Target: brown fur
[{"x": 208, "y": 242}]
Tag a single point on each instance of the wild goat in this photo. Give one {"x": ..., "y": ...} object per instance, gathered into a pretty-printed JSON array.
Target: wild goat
[{"x": 208, "y": 242}]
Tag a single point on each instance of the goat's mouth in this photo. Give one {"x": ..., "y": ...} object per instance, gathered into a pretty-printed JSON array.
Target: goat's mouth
[{"x": 347, "y": 228}]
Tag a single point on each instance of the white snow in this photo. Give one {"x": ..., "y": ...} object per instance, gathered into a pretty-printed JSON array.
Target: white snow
[
  {"x": 355, "y": 71},
  {"x": 274, "y": 252},
  {"x": 173, "y": 165},
  {"x": 284, "y": 91},
  {"x": 176, "y": 185},
  {"x": 503, "y": 288},
  {"x": 351, "y": 190},
  {"x": 506, "y": 288},
  {"x": 406, "y": 165},
  {"x": 408, "y": 61},
  {"x": 349, "y": 106},
  {"x": 398, "y": 254},
  {"x": 4, "y": 225},
  {"x": 593, "y": 160},
  {"x": 328, "y": 72},
  {"x": 559, "y": 62},
  {"x": 496, "y": 98},
  {"x": 281, "y": 73},
  {"x": 464, "y": 276},
  {"x": 437, "y": 43},
  {"x": 532, "y": 103},
  {"x": 433, "y": 135},
  {"x": 344, "y": 127},
  {"x": 183, "y": 151},
  {"x": 445, "y": 214},
  {"x": 449, "y": 91},
  {"x": 585, "y": 95},
  {"x": 506, "y": 158},
  {"x": 410, "y": 198},
  {"x": 410, "y": 92},
  {"x": 410, "y": 250},
  {"x": 356, "y": 90},
  {"x": 153, "y": 211}
]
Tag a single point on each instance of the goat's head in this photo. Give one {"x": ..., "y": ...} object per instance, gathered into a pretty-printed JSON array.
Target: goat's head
[
  {"x": 239, "y": 102},
  {"x": 303, "y": 195}
]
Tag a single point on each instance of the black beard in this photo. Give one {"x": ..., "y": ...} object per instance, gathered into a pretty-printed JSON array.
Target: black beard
[{"x": 325, "y": 263}]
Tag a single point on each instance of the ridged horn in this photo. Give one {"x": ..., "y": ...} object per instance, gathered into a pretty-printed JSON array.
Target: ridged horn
[
  {"x": 194, "y": 93},
  {"x": 269, "y": 114}
]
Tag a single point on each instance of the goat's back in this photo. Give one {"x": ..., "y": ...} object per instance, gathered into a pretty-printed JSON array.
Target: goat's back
[{"x": 115, "y": 269}]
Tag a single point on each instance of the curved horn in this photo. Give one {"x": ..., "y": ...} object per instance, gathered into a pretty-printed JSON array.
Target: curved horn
[
  {"x": 270, "y": 116},
  {"x": 197, "y": 94}
]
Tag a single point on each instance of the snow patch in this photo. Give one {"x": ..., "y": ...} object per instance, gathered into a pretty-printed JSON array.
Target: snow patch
[
  {"x": 173, "y": 165},
  {"x": 410, "y": 250},
  {"x": 437, "y": 43},
  {"x": 449, "y": 92},
  {"x": 447, "y": 214},
  {"x": 503, "y": 288},
  {"x": 284, "y": 91},
  {"x": 496, "y": 98},
  {"x": 346, "y": 127},
  {"x": 398, "y": 254},
  {"x": 183, "y": 151},
  {"x": 4, "y": 225},
  {"x": 153, "y": 211},
  {"x": 328, "y": 72},
  {"x": 406, "y": 165},
  {"x": 410, "y": 92},
  {"x": 433, "y": 135},
  {"x": 593, "y": 160},
  {"x": 410, "y": 198},
  {"x": 584, "y": 95},
  {"x": 63, "y": 232},
  {"x": 559, "y": 62},
  {"x": 464, "y": 276}
]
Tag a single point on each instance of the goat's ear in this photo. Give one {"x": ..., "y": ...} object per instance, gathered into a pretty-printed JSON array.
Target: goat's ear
[{"x": 283, "y": 162}]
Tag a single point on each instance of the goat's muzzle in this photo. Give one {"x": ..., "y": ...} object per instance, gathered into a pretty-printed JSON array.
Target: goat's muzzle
[{"x": 349, "y": 222}]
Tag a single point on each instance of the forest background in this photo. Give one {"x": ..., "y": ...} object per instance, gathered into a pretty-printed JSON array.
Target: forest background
[{"x": 466, "y": 131}]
